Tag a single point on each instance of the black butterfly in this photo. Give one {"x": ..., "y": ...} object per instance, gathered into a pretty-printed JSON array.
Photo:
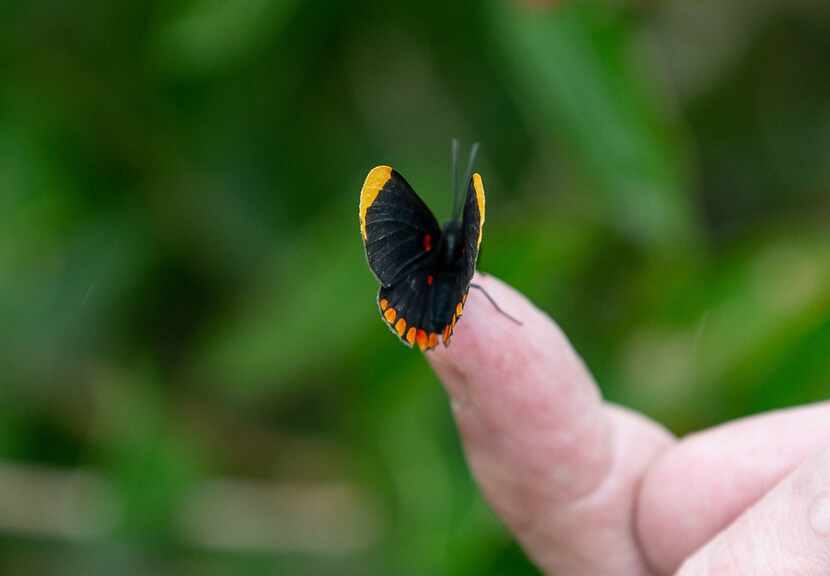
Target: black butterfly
[{"x": 424, "y": 271}]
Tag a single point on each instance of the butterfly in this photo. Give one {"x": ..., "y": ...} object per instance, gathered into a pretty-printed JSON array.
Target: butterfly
[{"x": 425, "y": 271}]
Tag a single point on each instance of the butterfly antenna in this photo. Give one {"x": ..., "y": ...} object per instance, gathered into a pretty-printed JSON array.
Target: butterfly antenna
[
  {"x": 471, "y": 163},
  {"x": 471, "y": 160},
  {"x": 454, "y": 176},
  {"x": 496, "y": 306}
]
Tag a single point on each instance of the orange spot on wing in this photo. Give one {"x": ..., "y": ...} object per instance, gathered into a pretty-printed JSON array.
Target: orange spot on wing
[
  {"x": 390, "y": 315},
  {"x": 433, "y": 340},
  {"x": 400, "y": 327},
  {"x": 459, "y": 308},
  {"x": 410, "y": 336},
  {"x": 421, "y": 338},
  {"x": 384, "y": 304}
]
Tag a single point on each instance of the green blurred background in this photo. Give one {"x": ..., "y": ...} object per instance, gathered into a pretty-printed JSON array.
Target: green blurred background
[{"x": 194, "y": 378}]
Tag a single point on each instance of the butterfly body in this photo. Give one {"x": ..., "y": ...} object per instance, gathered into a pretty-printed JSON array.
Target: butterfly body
[{"x": 424, "y": 270}]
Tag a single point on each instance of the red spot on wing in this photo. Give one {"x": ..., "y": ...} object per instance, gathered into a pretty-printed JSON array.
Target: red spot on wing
[
  {"x": 429, "y": 280},
  {"x": 427, "y": 242}
]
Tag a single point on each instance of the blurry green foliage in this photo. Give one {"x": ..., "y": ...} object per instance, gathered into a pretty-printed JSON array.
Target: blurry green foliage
[
  {"x": 575, "y": 68},
  {"x": 210, "y": 35},
  {"x": 184, "y": 298}
]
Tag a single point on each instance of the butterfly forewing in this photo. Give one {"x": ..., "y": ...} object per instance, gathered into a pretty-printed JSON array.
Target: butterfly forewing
[
  {"x": 473, "y": 226},
  {"x": 398, "y": 229}
]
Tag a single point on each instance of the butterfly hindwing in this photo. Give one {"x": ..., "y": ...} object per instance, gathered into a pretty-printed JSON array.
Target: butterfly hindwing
[
  {"x": 398, "y": 229},
  {"x": 409, "y": 308}
]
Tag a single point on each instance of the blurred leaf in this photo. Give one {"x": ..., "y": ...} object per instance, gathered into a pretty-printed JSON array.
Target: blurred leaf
[
  {"x": 420, "y": 472},
  {"x": 758, "y": 307},
  {"x": 800, "y": 375},
  {"x": 573, "y": 67},
  {"x": 56, "y": 316},
  {"x": 320, "y": 301},
  {"x": 151, "y": 465},
  {"x": 30, "y": 199},
  {"x": 212, "y": 35}
]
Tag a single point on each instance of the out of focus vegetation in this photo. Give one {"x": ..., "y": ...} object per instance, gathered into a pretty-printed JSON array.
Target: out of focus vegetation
[{"x": 193, "y": 375}]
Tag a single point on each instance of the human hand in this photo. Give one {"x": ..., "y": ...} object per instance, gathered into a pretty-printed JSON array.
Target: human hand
[{"x": 589, "y": 488}]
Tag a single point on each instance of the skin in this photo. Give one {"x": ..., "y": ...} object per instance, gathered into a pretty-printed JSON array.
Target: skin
[{"x": 590, "y": 488}]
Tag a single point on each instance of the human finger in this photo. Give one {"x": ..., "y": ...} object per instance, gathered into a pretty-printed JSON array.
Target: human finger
[
  {"x": 557, "y": 464},
  {"x": 786, "y": 532},
  {"x": 697, "y": 488}
]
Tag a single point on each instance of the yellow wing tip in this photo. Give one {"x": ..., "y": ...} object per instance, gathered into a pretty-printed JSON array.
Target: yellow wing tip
[
  {"x": 376, "y": 179},
  {"x": 478, "y": 186}
]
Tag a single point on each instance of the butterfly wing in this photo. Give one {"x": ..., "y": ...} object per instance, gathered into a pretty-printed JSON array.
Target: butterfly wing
[
  {"x": 408, "y": 307},
  {"x": 473, "y": 227},
  {"x": 398, "y": 230},
  {"x": 401, "y": 237}
]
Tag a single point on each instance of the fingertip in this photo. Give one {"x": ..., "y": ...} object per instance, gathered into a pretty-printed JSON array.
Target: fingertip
[
  {"x": 536, "y": 433},
  {"x": 518, "y": 379},
  {"x": 482, "y": 335}
]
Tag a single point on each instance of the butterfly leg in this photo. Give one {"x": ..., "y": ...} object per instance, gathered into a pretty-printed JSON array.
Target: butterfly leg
[{"x": 493, "y": 302}]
